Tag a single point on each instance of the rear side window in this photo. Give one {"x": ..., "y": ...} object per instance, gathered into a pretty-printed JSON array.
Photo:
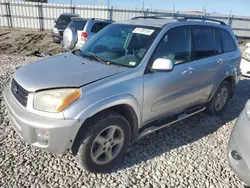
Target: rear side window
[
  {"x": 98, "y": 27},
  {"x": 78, "y": 25},
  {"x": 204, "y": 42},
  {"x": 227, "y": 41},
  {"x": 218, "y": 47}
]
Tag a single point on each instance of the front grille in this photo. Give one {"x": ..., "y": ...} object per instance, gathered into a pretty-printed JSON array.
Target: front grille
[
  {"x": 19, "y": 92},
  {"x": 61, "y": 33}
]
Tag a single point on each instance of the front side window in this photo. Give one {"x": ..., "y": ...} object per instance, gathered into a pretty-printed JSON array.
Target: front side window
[
  {"x": 175, "y": 45},
  {"x": 227, "y": 40},
  {"x": 204, "y": 42},
  {"x": 121, "y": 44}
]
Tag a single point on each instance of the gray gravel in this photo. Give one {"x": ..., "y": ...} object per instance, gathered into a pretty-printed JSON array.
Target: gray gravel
[{"x": 191, "y": 153}]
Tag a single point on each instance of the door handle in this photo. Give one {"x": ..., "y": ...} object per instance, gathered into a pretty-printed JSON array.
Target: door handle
[
  {"x": 188, "y": 71},
  {"x": 220, "y": 61}
]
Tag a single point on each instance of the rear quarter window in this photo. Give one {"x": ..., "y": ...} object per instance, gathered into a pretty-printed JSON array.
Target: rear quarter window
[{"x": 227, "y": 41}]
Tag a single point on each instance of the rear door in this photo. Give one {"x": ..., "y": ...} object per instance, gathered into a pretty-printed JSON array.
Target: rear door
[{"x": 208, "y": 59}]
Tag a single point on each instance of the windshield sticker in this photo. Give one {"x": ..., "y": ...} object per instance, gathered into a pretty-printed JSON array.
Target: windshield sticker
[
  {"x": 132, "y": 63},
  {"x": 143, "y": 31}
]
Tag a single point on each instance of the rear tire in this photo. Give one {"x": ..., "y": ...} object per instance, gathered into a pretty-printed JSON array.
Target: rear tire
[
  {"x": 103, "y": 142},
  {"x": 220, "y": 99}
]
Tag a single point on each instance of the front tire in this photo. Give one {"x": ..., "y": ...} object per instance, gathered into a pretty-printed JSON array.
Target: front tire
[
  {"x": 220, "y": 99},
  {"x": 104, "y": 143}
]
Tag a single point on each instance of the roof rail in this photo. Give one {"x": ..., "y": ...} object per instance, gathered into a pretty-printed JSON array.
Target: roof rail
[
  {"x": 153, "y": 17},
  {"x": 80, "y": 19},
  {"x": 100, "y": 19},
  {"x": 203, "y": 19}
]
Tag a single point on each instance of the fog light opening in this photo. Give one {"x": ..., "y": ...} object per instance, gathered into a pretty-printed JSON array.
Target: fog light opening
[
  {"x": 42, "y": 136},
  {"x": 236, "y": 155}
]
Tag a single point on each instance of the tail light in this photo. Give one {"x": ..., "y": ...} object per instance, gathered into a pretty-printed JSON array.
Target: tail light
[{"x": 84, "y": 37}]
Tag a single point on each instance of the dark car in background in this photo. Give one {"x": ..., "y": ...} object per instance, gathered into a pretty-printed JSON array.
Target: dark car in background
[{"x": 61, "y": 24}]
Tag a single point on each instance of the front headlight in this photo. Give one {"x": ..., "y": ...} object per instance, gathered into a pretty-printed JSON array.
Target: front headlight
[
  {"x": 55, "y": 30},
  {"x": 246, "y": 56},
  {"x": 55, "y": 100}
]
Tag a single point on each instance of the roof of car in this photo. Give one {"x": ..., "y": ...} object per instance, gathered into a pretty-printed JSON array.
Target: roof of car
[
  {"x": 85, "y": 19},
  {"x": 69, "y": 14},
  {"x": 151, "y": 22},
  {"x": 160, "y": 22}
]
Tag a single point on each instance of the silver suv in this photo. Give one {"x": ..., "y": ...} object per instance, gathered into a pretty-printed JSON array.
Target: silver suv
[
  {"x": 132, "y": 78},
  {"x": 80, "y": 30}
]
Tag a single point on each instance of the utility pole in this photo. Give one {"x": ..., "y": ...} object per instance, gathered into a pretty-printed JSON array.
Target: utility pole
[
  {"x": 229, "y": 17},
  {"x": 143, "y": 6},
  {"x": 173, "y": 11},
  {"x": 204, "y": 11}
]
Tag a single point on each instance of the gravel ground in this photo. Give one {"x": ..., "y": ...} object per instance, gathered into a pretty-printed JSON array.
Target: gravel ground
[
  {"x": 27, "y": 43},
  {"x": 191, "y": 153}
]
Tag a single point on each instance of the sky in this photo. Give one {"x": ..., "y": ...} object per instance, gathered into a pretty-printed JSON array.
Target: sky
[{"x": 238, "y": 7}]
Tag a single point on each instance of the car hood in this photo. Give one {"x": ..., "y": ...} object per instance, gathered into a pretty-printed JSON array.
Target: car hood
[
  {"x": 60, "y": 26},
  {"x": 65, "y": 70}
]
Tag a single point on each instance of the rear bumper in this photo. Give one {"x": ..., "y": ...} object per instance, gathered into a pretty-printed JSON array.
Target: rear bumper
[
  {"x": 239, "y": 142},
  {"x": 61, "y": 132}
]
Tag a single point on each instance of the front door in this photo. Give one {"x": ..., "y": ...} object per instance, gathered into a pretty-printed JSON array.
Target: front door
[{"x": 167, "y": 93}]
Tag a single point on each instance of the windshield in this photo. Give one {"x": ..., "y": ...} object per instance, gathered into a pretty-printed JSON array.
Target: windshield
[
  {"x": 65, "y": 20},
  {"x": 124, "y": 45}
]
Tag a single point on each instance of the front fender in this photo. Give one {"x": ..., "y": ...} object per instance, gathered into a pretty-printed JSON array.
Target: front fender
[{"x": 110, "y": 102}]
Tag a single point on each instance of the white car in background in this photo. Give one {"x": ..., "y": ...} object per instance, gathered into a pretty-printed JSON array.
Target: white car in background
[
  {"x": 245, "y": 61},
  {"x": 80, "y": 30}
]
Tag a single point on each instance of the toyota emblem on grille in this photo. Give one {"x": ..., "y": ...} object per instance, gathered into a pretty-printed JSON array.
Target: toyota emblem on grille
[{"x": 15, "y": 89}]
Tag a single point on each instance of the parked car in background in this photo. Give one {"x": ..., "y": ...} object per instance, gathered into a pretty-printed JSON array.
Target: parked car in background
[
  {"x": 61, "y": 24},
  {"x": 239, "y": 146},
  {"x": 245, "y": 61},
  {"x": 131, "y": 79},
  {"x": 80, "y": 30}
]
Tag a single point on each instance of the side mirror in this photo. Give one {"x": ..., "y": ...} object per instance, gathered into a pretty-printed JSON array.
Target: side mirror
[
  {"x": 162, "y": 65},
  {"x": 55, "y": 21}
]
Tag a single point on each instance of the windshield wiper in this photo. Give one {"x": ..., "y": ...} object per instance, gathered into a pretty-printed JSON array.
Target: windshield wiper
[{"x": 95, "y": 57}]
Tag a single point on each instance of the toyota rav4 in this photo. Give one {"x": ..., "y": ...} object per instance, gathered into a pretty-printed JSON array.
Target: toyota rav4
[{"x": 132, "y": 78}]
